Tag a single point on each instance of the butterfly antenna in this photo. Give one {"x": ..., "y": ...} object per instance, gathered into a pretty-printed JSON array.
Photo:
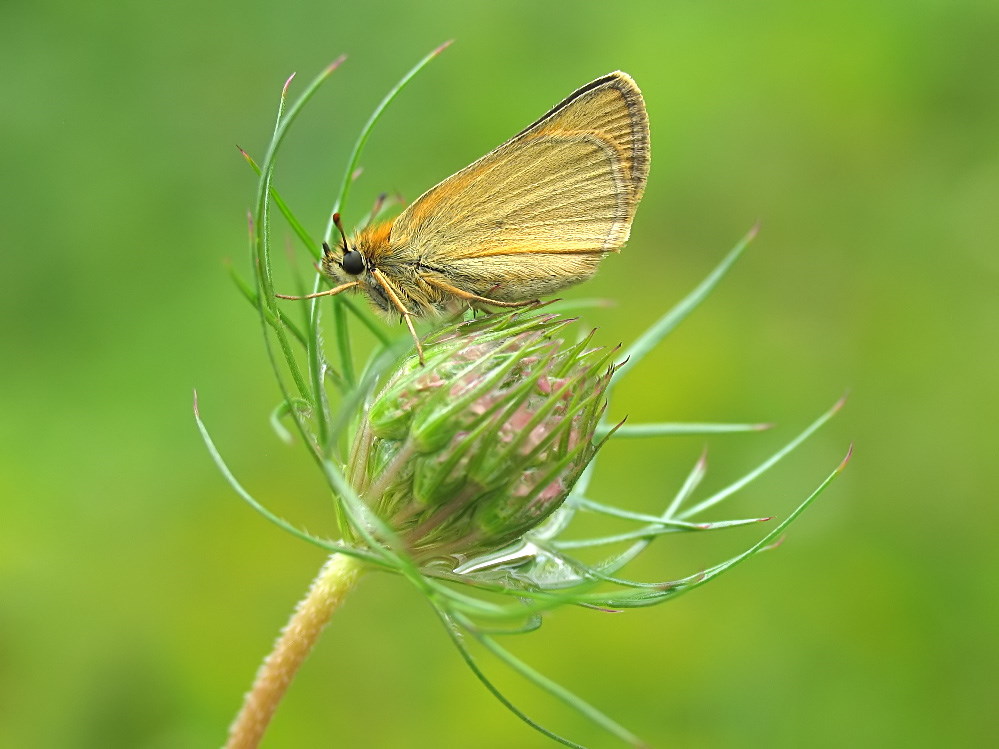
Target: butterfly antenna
[{"x": 339, "y": 226}]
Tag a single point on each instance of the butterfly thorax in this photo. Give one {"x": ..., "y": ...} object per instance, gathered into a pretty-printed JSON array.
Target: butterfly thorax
[{"x": 373, "y": 243}]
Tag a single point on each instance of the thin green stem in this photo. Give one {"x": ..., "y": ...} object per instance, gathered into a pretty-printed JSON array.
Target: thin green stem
[
  {"x": 555, "y": 689},
  {"x": 455, "y": 633},
  {"x": 665, "y": 325},
  {"x": 355, "y": 156}
]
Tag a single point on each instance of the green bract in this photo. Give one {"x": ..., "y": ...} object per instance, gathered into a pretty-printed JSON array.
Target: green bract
[{"x": 464, "y": 455}]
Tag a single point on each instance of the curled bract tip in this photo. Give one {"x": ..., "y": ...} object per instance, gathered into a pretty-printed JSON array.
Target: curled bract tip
[
  {"x": 841, "y": 402},
  {"x": 443, "y": 47},
  {"x": 846, "y": 459},
  {"x": 775, "y": 544},
  {"x": 335, "y": 64}
]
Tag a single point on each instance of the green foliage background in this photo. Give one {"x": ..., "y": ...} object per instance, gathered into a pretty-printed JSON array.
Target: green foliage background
[{"x": 137, "y": 594}]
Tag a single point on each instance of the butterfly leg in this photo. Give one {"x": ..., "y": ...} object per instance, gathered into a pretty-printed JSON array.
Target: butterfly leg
[
  {"x": 397, "y": 303},
  {"x": 329, "y": 292},
  {"x": 469, "y": 296}
]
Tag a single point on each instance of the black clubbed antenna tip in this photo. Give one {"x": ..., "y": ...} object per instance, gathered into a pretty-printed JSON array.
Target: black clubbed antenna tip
[{"x": 339, "y": 225}]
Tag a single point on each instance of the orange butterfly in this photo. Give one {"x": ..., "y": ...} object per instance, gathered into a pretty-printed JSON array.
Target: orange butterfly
[{"x": 528, "y": 219}]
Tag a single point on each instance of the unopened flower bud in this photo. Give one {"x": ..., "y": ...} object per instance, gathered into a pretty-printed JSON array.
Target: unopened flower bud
[{"x": 462, "y": 456}]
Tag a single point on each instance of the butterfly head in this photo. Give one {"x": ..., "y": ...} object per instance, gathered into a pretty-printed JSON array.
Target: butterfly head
[
  {"x": 345, "y": 263},
  {"x": 348, "y": 262}
]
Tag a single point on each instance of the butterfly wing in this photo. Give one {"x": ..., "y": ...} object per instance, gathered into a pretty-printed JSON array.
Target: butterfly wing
[{"x": 539, "y": 212}]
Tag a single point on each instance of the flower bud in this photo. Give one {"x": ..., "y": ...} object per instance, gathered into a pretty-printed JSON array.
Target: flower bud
[{"x": 462, "y": 456}]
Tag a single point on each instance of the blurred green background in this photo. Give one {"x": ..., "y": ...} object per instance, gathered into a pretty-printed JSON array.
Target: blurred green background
[{"x": 137, "y": 594}]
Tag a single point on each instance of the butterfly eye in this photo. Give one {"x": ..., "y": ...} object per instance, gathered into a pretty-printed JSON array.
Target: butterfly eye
[{"x": 353, "y": 263}]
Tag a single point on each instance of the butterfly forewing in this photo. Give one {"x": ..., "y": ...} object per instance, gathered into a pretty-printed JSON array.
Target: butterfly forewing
[
  {"x": 611, "y": 107},
  {"x": 536, "y": 214},
  {"x": 568, "y": 187}
]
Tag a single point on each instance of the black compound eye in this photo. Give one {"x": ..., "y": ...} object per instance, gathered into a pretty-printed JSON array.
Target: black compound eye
[{"x": 353, "y": 263}]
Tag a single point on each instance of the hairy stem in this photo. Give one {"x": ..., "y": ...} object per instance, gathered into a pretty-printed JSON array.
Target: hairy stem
[{"x": 293, "y": 646}]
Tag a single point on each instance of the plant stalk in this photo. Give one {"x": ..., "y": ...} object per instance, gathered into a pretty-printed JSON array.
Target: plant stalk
[{"x": 293, "y": 646}]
